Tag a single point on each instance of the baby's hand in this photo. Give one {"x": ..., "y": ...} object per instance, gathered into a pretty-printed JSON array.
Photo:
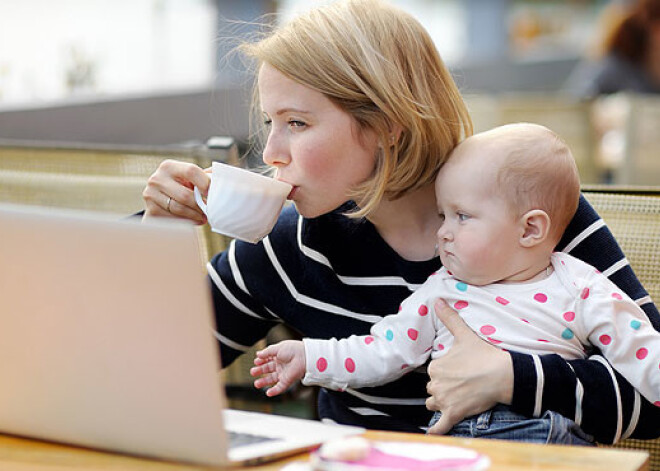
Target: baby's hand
[{"x": 278, "y": 366}]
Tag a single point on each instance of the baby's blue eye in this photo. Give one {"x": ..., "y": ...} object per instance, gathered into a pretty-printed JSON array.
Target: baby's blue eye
[{"x": 463, "y": 217}]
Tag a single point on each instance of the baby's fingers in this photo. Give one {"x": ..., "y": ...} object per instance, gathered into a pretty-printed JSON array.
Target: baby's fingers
[
  {"x": 260, "y": 361},
  {"x": 269, "y": 351},
  {"x": 263, "y": 369},
  {"x": 265, "y": 381},
  {"x": 279, "y": 388}
]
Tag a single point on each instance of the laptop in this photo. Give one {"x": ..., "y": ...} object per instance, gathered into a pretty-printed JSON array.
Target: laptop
[{"x": 106, "y": 342}]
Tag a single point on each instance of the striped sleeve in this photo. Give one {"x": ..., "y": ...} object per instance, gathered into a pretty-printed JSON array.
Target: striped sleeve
[{"x": 589, "y": 391}]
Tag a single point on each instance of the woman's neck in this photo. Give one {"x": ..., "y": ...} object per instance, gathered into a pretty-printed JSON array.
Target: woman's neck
[{"x": 409, "y": 224}]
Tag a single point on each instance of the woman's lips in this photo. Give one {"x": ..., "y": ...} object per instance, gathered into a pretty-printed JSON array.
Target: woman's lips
[{"x": 292, "y": 193}]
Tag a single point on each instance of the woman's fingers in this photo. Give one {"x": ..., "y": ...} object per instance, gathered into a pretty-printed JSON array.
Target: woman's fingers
[
  {"x": 452, "y": 321},
  {"x": 169, "y": 191}
]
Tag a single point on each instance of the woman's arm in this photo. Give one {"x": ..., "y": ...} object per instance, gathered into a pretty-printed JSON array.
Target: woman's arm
[
  {"x": 608, "y": 401},
  {"x": 588, "y": 391}
]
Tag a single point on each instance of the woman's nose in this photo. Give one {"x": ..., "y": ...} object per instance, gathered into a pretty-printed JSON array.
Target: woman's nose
[{"x": 276, "y": 152}]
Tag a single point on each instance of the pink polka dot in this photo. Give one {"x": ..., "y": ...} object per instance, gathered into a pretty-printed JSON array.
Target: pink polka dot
[
  {"x": 641, "y": 353},
  {"x": 569, "y": 316},
  {"x": 487, "y": 329},
  {"x": 368, "y": 339},
  {"x": 412, "y": 333},
  {"x": 524, "y": 320},
  {"x": 617, "y": 296},
  {"x": 543, "y": 340},
  {"x": 400, "y": 308},
  {"x": 404, "y": 366},
  {"x": 321, "y": 364},
  {"x": 493, "y": 341},
  {"x": 656, "y": 403},
  {"x": 540, "y": 297},
  {"x": 428, "y": 349},
  {"x": 585, "y": 293},
  {"x": 349, "y": 364},
  {"x": 460, "y": 305},
  {"x": 502, "y": 301},
  {"x": 440, "y": 347},
  {"x": 423, "y": 310},
  {"x": 605, "y": 339},
  {"x": 450, "y": 273}
]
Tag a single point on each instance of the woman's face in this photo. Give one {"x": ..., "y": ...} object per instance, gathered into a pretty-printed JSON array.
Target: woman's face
[{"x": 314, "y": 145}]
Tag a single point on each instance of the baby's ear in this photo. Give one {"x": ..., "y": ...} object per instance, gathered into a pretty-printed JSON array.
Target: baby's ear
[{"x": 536, "y": 227}]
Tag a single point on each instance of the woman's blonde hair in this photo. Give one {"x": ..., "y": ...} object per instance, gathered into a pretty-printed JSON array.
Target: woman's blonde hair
[{"x": 378, "y": 64}]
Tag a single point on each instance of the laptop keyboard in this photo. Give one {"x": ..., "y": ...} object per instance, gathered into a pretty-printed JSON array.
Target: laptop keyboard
[{"x": 237, "y": 439}]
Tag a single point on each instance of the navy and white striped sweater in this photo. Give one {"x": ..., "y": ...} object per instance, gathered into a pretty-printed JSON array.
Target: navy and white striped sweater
[{"x": 333, "y": 277}]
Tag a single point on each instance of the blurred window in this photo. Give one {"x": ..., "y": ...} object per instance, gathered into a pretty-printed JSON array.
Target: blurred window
[{"x": 57, "y": 49}]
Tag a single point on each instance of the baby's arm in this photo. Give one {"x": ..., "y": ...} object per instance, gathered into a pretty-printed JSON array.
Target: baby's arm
[
  {"x": 278, "y": 366},
  {"x": 396, "y": 345}
]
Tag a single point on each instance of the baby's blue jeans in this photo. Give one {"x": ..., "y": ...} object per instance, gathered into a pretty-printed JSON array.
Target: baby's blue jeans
[{"x": 504, "y": 424}]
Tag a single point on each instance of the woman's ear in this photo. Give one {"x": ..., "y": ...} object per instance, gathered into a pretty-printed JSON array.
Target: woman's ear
[
  {"x": 536, "y": 227},
  {"x": 393, "y": 134}
]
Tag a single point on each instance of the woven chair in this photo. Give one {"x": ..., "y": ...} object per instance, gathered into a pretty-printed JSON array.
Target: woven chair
[
  {"x": 633, "y": 216},
  {"x": 97, "y": 177}
]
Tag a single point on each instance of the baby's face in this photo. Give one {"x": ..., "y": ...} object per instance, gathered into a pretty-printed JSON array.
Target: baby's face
[{"x": 478, "y": 241}]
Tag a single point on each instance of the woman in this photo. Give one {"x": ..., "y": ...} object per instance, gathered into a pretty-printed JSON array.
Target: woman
[{"x": 360, "y": 114}]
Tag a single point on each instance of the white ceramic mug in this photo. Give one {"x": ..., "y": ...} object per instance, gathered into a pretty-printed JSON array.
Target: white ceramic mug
[{"x": 242, "y": 204}]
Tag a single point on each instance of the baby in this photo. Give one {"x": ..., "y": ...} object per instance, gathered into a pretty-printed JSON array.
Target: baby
[{"x": 505, "y": 197}]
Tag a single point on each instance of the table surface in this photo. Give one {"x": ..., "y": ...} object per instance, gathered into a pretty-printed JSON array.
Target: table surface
[{"x": 19, "y": 454}]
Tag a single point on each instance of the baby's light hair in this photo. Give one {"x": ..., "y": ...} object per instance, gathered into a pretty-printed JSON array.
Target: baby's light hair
[
  {"x": 538, "y": 172},
  {"x": 380, "y": 65}
]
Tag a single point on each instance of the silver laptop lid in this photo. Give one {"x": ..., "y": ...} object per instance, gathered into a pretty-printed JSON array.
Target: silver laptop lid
[{"x": 92, "y": 307}]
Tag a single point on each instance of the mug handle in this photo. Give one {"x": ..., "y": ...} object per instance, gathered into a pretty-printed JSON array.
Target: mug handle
[{"x": 198, "y": 199}]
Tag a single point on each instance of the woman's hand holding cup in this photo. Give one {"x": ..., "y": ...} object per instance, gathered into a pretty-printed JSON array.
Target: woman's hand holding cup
[{"x": 169, "y": 191}]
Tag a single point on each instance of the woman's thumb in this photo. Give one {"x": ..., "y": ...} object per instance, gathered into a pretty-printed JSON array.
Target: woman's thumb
[{"x": 450, "y": 318}]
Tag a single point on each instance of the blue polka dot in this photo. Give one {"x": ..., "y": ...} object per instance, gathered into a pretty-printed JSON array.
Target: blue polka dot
[
  {"x": 389, "y": 335},
  {"x": 461, "y": 286},
  {"x": 635, "y": 324},
  {"x": 567, "y": 334}
]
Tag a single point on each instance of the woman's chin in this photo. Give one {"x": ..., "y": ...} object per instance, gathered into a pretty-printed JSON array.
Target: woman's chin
[{"x": 310, "y": 211}]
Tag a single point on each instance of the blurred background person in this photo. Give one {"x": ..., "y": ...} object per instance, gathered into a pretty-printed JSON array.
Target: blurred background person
[{"x": 630, "y": 53}]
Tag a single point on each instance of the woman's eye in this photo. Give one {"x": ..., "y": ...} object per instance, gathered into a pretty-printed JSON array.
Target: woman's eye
[{"x": 296, "y": 124}]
